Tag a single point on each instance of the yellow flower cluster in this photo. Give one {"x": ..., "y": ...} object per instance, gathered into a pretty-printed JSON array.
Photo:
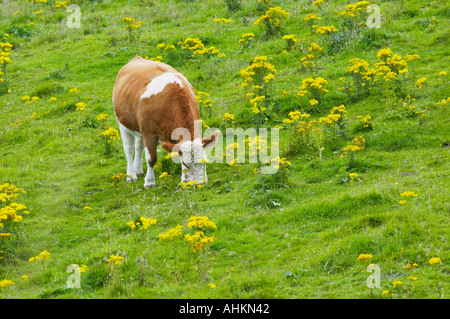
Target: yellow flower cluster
[
  {"x": 115, "y": 260},
  {"x": 358, "y": 66},
  {"x": 131, "y": 24},
  {"x": 201, "y": 222},
  {"x": 199, "y": 239},
  {"x": 12, "y": 212},
  {"x": 147, "y": 222},
  {"x": 409, "y": 194},
  {"x": 209, "y": 51},
  {"x": 420, "y": 82},
  {"x": 308, "y": 127},
  {"x": 203, "y": 100},
  {"x": 443, "y": 102},
  {"x": 6, "y": 283},
  {"x": 317, "y": 3},
  {"x": 159, "y": 58},
  {"x": 164, "y": 175},
  {"x": 313, "y": 47},
  {"x": 274, "y": 16},
  {"x": 355, "y": 10},
  {"x": 111, "y": 133},
  {"x": 307, "y": 61},
  {"x": 295, "y": 116},
  {"x": 102, "y": 117},
  {"x": 188, "y": 185},
  {"x": 255, "y": 145},
  {"x": 83, "y": 269},
  {"x": 410, "y": 109},
  {"x": 166, "y": 47},
  {"x": 310, "y": 17},
  {"x": 198, "y": 48},
  {"x": 272, "y": 19},
  {"x": 336, "y": 116},
  {"x": 410, "y": 266},
  {"x": 435, "y": 260},
  {"x": 61, "y": 4},
  {"x": 119, "y": 177},
  {"x": 258, "y": 74},
  {"x": 246, "y": 38},
  {"x": 192, "y": 44},
  {"x": 171, "y": 233},
  {"x": 29, "y": 100},
  {"x": 291, "y": 39},
  {"x": 390, "y": 65},
  {"x": 256, "y": 108},
  {"x": 9, "y": 192},
  {"x": 325, "y": 29},
  {"x": 80, "y": 106},
  {"x": 228, "y": 118},
  {"x": 43, "y": 255},
  {"x": 222, "y": 20},
  {"x": 280, "y": 162},
  {"x": 365, "y": 256},
  {"x": 5, "y": 55},
  {"x": 144, "y": 223},
  {"x": 38, "y": 12},
  {"x": 313, "y": 86},
  {"x": 5, "y": 52},
  {"x": 411, "y": 57},
  {"x": 358, "y": 144},
  {"x": 366, "y": 121}
]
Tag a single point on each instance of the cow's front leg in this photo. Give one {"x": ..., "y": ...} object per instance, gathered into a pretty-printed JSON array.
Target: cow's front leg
[
  {"x": 128, "y": 147},
  {"x": 139, "y": 150},
  {"x": 150, "y": 157}
]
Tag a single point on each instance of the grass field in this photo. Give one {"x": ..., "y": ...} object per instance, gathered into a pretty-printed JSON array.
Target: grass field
[{"x": 309, "y": 231}]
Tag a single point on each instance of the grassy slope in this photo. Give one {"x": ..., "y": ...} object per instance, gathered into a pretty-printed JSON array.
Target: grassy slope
[{"x": 305, "y": 248}]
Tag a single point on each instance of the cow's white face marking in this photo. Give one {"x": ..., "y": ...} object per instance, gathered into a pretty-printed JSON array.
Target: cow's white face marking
[
  {"x": 158, "y": 84},
  {"x": 193, "y": 161}
]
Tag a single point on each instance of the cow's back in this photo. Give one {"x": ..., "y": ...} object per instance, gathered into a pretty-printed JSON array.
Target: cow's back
[{"x": 130, "y": 87}]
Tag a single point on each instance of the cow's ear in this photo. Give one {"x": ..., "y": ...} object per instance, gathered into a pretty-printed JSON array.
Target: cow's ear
[
  {"x": 210, "y": 140},
  {"x": 167, "y": 146}
]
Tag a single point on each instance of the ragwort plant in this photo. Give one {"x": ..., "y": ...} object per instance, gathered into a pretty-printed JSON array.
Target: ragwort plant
[
  {"x": 257, "y": 79},
  {"x": 11, "y": 216},
  {"x": 5, "y": 59},
  {"x": 272, "y": 21}
]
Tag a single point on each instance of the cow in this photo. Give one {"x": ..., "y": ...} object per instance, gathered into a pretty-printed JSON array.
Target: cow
[{"x": 152, "y": 102}]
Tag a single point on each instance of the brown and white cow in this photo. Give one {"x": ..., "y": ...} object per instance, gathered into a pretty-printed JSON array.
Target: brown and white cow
[{"x": 152, "y": 102}]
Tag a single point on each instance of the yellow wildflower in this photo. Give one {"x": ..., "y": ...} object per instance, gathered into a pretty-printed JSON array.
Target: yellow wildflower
[
  {"x": 435, "y": 260},
  {"x": 6, "y": 283},
  {"x": 115, "y": 260},
  {"x": 365, "y": 256}
]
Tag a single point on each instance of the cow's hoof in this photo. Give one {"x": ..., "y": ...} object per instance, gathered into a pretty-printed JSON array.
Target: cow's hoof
[
  {"x": 149, "y": 186},
  {"x": 140, "y": 174},
  {"x": 131, "y": 179}
]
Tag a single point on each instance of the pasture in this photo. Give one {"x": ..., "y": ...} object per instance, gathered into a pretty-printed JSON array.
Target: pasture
[{"x": 362, "y": 112}]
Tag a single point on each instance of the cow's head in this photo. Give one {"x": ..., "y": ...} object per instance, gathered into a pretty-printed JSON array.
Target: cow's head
[{"x": 193, "y": 157}]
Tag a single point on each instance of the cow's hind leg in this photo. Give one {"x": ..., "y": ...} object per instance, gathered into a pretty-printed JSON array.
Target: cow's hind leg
[
  {"x": 151, "y": 158},
  {"x": 139, "y": 150},
  {"x": 128, "y": 147}
]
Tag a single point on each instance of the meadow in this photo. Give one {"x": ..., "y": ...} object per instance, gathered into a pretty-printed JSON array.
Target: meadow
[{"x": 360, "y": 98}]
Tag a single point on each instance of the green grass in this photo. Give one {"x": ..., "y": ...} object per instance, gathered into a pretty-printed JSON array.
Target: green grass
[{"x": 299, "y": 239}]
